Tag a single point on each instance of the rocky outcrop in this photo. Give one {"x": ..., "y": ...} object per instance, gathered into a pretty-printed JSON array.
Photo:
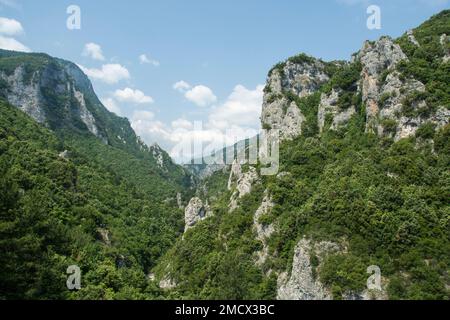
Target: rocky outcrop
[
  {"x": 298, "y": 78},
  {"x": 158, "y": 155},
  {"x": 303, "y": 283},
  {"x": 24, "y": 94},
  {"x": 195, "y": 211},
  {"x": 243, "y": 183},
  {"x": 376, "y": 57},
  {"x": 328, "y": 107},
  {"x": 167, "y": 284},
  {"x": 385, "y": 99},
  {"x": 444, "y": 41},
  {"x": 104, "y": 236},
  {"x": 412, "y": 38},
  {"x": 263, "y": 232},
  {"x": 85, "y": 115}
]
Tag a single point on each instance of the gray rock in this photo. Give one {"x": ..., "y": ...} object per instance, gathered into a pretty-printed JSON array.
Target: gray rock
[
  {"x": 412, "y": 38},
  {"x": 301, "y": 284},
  {"x": 444, "y": 40},
  {"x": 85, "y": 115},
  {"x": 329, "y": 107},
  {"x": 301, "y": 79},
  {"x": 244, "y": 185},
  {"x": 263, "y": 232},
  {"x": 195, "y": 211},
  {"x": 375, "y": 58},
  {"x": 24, "y": 95}
]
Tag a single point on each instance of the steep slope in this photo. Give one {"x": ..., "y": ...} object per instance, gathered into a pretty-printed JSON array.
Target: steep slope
[
  {"x": 78, "y": 187},
  {"x": 57, "y": 94},
  {"x": 363, "y": 182}
]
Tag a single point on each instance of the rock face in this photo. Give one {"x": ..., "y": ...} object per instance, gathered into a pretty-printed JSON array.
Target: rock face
[
  {"x": 241, "y": 182},
  {"x": 376, "y": 58},
  {"x": 298, "y": 78},
  {"x": 263, "y": 232},
  {"x": 302, "y": 283},
  {"x": 158, "y": 155},
  {"x": 445, "y": 40},
  {"x": 25, "y": 96},
  {"x": 385, "y": 98},
  {"x": 195, "y": 211},
  {"x": 328, "y": 107},
  {"x": 50, "y": 95},
  {"x": 57, "y": 94}
]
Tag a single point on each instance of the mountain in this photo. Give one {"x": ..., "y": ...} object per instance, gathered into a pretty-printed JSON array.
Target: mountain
[
  {"x": 78, "y": 188},
  {"x": 363, "y": 186},
  {"x": 362, "y": 189}
]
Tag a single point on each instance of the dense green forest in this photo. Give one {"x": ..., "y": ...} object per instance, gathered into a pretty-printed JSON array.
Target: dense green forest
[{"x": 57, "y": 211}]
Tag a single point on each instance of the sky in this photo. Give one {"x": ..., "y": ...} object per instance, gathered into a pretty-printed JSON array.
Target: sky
[{"x": 178, "y": 68}]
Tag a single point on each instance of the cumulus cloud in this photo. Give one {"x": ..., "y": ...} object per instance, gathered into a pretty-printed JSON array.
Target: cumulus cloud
[
  {"x": 236, "y": 119},
  {"x": 93, "y": 51},
  {"x": 132, "y": 96},
  {"x": 240, "y": 109},
  {"x": 182, "y": 124},
  {"x": 182, "y": 86},
  {"x": 201, "y": 96},
  {"x": 12, "y": 44},
  {"x": 10, "y": 27},
  {"x": 144, "y": 59},
  {"x": 9, "y": 3},
  {"x": 109, "y": 73},
  {"x": 112, "y": 106}
]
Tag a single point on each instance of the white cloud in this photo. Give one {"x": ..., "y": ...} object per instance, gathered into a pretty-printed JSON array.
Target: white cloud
[
  {"x": 112, "y": 106},
  {"x": 94, "y": 51},
  {"x": 236, "y": 119},
  {"x": 201, "y": 96},
  {"x": 12, "y": 44},
  {"x": 109, "y": 73},
  {"x": 182, "y": 86},
  {"x": 242, "y": 108},
  {"x": 10, "y": 3},
  {"x": 132, "y": 96},
  {"x": 143, "y": 59},
  {"x": 10, "y": 27},
  {"x": 182, "y": 124}
]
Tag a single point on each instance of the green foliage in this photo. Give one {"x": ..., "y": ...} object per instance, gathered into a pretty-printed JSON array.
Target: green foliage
[
  {"x": 52, "y": 211},
  {"x": 425, "y": 63},
  {"x": 426, "y": 131}
]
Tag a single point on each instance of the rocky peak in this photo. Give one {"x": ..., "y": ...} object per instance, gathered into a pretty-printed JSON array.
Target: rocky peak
[
  {"x": 376, "y": 57},
  {"x": 300, "y": 76}
]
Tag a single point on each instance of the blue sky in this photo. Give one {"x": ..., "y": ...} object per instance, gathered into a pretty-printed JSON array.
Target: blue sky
[{"x": 221, "y": 50}]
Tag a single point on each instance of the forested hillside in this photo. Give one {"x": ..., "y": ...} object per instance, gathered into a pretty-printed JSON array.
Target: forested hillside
[
  {"x": 78, "y": 188},
  {"x": 364, "y": 181}
]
